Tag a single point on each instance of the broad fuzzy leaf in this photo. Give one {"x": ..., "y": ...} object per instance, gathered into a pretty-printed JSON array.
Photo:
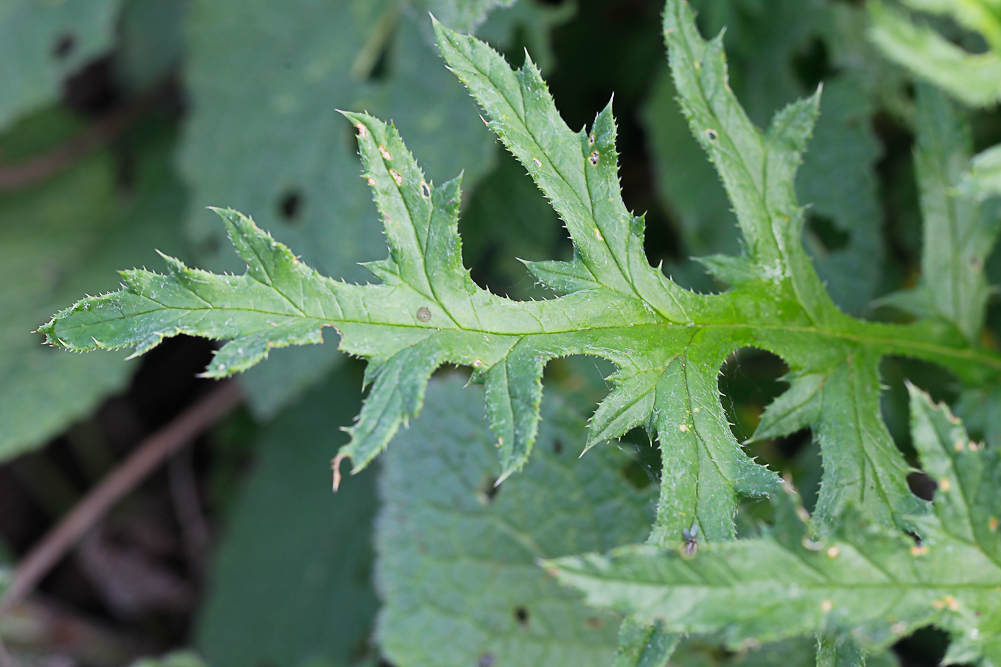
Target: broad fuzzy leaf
[
  {"x": 43, "y": 42},
  {"x": 959, "y": 230},
  {"x": 60, "y": 239},
  {"x": 668, "y": 343},
  {"x": 972, "y": 78},
  {"x": 316, "y": 559},
  {"x": 456, "y": 567}
]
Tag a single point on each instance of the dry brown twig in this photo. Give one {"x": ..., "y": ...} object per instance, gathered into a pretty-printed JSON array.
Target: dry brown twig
[
  {"x": 104, "y": 130},
  {"x": 146, "y": 458}
]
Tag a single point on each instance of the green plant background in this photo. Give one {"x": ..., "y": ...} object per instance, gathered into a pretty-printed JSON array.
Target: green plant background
[{"x": 235, "y": 105}]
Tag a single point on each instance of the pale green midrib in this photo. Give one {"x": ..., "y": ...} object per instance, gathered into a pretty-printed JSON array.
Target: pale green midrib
[
  {"x": 810, "y": 586},
  {"x": 890, "y": 345},
  {"x": 588, "y": 205}
]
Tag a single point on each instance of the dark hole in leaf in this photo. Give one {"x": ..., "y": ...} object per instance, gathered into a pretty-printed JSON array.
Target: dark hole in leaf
[
  {"x": 290, "y": 205},
  {"x": 922, "y": 485},
  {"x": 927, "y": 646},
  {"x": 812, "y": 65},
  {"x": 486, "y": 660},
  {"x": 824, "y": 229},
  {"x": 94, "y": 89},
  {"x": 557, "y": 447},
  {"x": 65, "y": 44},
  {"x": 521, "y": 615},
  {"x": 488, "y": 490}
]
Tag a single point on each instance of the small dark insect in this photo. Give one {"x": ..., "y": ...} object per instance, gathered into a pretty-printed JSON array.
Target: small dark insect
[
  {"x": 691, "y": 539},
  {"x": 423, "y": 314}
]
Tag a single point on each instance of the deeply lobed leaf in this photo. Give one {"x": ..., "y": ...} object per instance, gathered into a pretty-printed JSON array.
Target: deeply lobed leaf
[{"x": 668, "y": 343}]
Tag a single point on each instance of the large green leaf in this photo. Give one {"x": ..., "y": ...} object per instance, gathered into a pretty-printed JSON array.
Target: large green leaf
[
  {"x": 959, "y": 230},
  {"x": 61, "y": 238},
  {"x": 291, "y": 581},
  {"x": 277, "y": 148},
  {"x": 41, "y": 42},
  {"x": 873, "y": 583},
  {"x": 457, "y": 555},
  {"x": 668, "y": 343}
]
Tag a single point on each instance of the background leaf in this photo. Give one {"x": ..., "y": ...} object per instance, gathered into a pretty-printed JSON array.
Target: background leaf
[
  {"x": 42, "y": 42},
  {"x": 68, "y": 236},
  {"x": 291, "y": 581},
  {"x": 456, "y": 567}
]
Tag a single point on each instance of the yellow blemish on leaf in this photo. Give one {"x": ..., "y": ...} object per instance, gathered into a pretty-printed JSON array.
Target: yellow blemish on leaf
[
  {"x": 919, "y": 550},
  {"x": 597, "y": 234},
  {"x": 993, "y": 523},
  {"x": 386, "y": 155},
  {"x": 833, "y": 552},
  {"x": 826, "y": 606},
  {"x": 538, "y": 163},
  {"x": 362, "y": 130},
  {"x": 683, "y": 428},
  {"x": 396, "y": 176},
  {"x": 944, "y": 484}
]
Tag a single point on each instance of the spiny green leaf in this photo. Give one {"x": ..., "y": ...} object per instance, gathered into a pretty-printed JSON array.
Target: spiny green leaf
[
  {"x": 873, "y": 583},
  {"x": 839, "y": 650},
  {"x": 959, "y": 231},
  {"x": 667, "y": 343},
  {"x": 643, "y": 645},
  {"x": 463, "y": 15},
  {"x": 456, "y": 567},
  {"x": 975, "y": 79}
]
